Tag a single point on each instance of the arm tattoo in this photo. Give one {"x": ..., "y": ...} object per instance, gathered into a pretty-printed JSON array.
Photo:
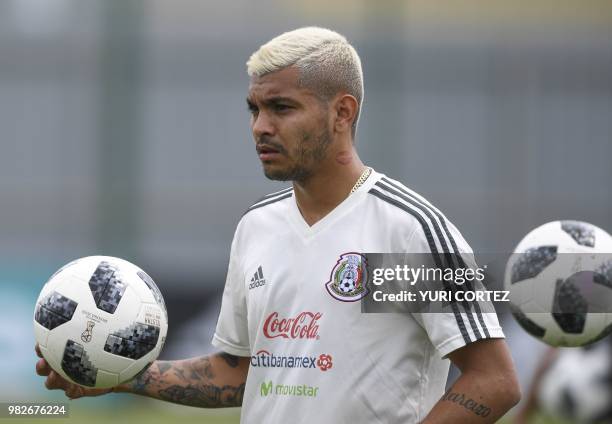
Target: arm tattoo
[
  {"x": 163, "y": 366},
  {"x": 231, "y": 360},
  {"x": 204, "y": 369},
  {"x": 470, "y": 404},
  {"x": 204, "y": 395},
  {"x": 189, "y": 382},
  {"x": 140, "y": 382}
]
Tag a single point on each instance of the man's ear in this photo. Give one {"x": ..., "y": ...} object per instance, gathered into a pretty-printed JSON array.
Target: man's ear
[{"x": 346, "y": 107}]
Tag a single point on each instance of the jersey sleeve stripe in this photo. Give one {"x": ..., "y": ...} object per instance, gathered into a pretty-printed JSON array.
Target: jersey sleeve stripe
[
  {"x": 432, "y": 247},
  {"x": 406, "y": 195},
  {"x": 283, "y": 191},
  {"x": 271, "y": 196},
  {"x": 266, "y": 202},
  {"x": 447, "y": 254}
]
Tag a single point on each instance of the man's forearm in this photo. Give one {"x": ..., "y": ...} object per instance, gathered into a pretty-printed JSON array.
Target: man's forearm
[
  {"x": 474, "y": 399},
  {"x": 213, "y": 381}
]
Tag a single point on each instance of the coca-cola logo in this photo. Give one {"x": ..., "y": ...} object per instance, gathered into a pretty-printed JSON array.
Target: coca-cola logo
[{"x": 303, "y": 326}]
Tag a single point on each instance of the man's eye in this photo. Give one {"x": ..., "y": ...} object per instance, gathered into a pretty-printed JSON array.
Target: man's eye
[{"x": 281, "y": 107}]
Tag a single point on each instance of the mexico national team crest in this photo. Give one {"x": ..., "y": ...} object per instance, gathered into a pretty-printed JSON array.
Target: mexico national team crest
[{"x": 348, "y": 278}]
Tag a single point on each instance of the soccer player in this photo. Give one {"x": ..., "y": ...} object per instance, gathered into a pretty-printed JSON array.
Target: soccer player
[{"x": 295, "y": 346}]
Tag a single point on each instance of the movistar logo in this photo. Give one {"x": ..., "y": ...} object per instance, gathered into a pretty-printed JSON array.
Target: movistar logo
[
  {"x": 266, "y": 388},
  {"x": 269, "y": 388}
]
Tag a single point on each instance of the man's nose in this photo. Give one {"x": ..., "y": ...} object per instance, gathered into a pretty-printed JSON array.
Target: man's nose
[{"x": 262, "y": 126}]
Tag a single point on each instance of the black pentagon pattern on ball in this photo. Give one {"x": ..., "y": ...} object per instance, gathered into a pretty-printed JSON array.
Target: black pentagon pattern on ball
[
  {"x": 154, "y": 289},
  {"x": 106, "y": 287},
  {"x": 77, "y": 366},
  {"x": 527, "y": 324},
  {"x": 569, "y": 306},
  {"x": 603, "y": 274},
  {"x": 532, "y": 262},
  {"x": 48, "y": 319},
  {"x": 133, "y": 342},
  {"x": 581, "y": 233},
  {"x": 54, "y": 310}
]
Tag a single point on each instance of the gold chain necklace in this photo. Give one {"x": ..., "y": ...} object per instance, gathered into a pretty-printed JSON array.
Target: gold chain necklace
[{"x": 362, "y": 179}]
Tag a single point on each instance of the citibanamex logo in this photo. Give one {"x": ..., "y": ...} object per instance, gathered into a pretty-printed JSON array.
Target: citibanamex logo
[
  {"x": 324, "y": 362},
  {"x": 304, "y": 326}
]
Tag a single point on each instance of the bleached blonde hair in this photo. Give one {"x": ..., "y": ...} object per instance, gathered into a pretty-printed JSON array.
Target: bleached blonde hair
[{"x": 328, "y": 64}]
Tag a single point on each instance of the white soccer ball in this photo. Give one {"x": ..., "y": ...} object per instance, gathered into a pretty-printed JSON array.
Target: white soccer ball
[
  {"x": 99, "y": 321},
  {"x": 560, "y": 283},
  {"x": 577, "y": 386}
]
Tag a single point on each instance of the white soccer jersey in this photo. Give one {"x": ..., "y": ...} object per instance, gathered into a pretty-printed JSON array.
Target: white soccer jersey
[{"x": 315, "y": 357}]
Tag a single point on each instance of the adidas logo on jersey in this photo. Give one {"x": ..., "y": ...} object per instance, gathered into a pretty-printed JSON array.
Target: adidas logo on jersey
[{"x": 258, "y": 279}]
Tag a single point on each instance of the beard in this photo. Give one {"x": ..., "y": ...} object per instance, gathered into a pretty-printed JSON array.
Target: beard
[{"x": 310, "y": 151}]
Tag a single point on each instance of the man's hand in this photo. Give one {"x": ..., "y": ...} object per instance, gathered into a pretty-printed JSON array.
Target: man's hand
[
  {"x": 213, "y": 381},
  {"x": 55, "y": 381}
]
